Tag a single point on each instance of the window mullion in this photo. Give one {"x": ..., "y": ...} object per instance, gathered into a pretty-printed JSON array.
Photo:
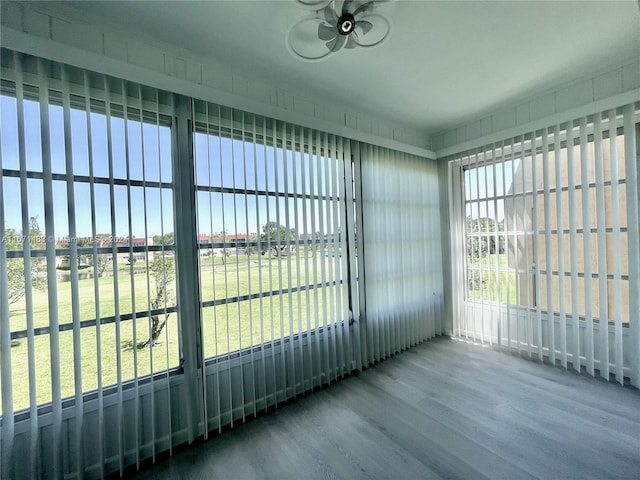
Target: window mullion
[{"x": 187, "y": 284}]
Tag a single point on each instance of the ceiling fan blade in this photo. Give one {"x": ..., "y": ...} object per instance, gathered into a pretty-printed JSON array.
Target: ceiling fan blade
[
  {"x": 368, "y": 6},
  {"x": 351, "y": 42},
  {"x": 364, "y": 26},
  {"x": 330, "y": 14},
  {"x": 326, "y": 33},
  {"x": 337, "y": 43},
  {"x": 345, "y": 6}
]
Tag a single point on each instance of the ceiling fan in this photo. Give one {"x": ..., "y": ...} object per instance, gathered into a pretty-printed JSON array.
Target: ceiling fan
[{"x": 336, "y": 25}]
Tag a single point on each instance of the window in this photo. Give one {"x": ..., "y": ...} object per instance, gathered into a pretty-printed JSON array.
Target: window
[
  {"x": 489, "y": 275},
  {"x": 545, "y": 242},
  {"x": 87, "y": 189},
  {"x": 271, "y": 230},
  {"x": 540, "y": 230},
  {"x": 159, "y": 250}
]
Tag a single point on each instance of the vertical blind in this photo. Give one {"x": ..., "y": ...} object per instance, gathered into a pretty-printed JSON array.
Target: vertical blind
[
  {"x": 273, "y": 243},
  {"x": 402, "y": 254},
  {"x": 546, "y": 243},
  {"x": 86, "y": 191},
  {"x": 170, "y": 267}
]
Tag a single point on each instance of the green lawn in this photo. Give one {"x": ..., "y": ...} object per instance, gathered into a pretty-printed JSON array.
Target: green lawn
[
  {"x": 226, "y": 328},
  {"x": 491, "y": 285}
]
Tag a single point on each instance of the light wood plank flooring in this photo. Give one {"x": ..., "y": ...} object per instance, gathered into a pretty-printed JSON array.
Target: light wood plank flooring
[{"x": 445, "y": 409}]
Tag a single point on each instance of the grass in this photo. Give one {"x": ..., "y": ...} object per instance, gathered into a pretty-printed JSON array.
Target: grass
[
  {"x": 226, "y": 328},
  {"x": 494, "y": 285}
]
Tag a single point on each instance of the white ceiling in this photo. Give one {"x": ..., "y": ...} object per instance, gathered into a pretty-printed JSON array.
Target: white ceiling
[{"x": 444, "y": 63}]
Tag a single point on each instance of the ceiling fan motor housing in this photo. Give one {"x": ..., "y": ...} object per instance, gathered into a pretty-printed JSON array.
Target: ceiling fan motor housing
[{"x": 346, "y": 23}]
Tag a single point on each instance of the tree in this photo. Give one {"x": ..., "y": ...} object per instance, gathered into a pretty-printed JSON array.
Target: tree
[
  {"x": 276, "y": 236},
  {"x": 15, "y": 266},
  {"x": 102, "y": 259},
  {"x": 317, "y": 238},
  {"x": 83, "y": 260},
  {"x": 222, "y": 237},
  {"x": 478, "y": 246},
  {"x": 166, "y": 239},
  {"x": 253, "y": 249},
  {"x": 225, "y": 254},
  {"x": 481, "y": 241},
  {"x": 162, "y": 274}
]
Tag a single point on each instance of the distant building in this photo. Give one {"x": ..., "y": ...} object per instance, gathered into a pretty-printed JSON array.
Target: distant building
[
  {"x": 139, "y": 251},
  {"x": 519, "y": 216}
]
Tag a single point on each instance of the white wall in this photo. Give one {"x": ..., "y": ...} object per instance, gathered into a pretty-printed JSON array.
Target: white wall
[
  {"x": 565, "y": 102},
  {"x": 614, "y": 87},
  {"x": 27, "y": 30}
]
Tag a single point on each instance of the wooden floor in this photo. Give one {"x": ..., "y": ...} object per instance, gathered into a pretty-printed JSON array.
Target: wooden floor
[{"x": 445, "y": 409}]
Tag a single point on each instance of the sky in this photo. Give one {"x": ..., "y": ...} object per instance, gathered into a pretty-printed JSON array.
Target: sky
[
  {"x": 218, "y": 162},
  {"x": 479, "y": 184}
]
